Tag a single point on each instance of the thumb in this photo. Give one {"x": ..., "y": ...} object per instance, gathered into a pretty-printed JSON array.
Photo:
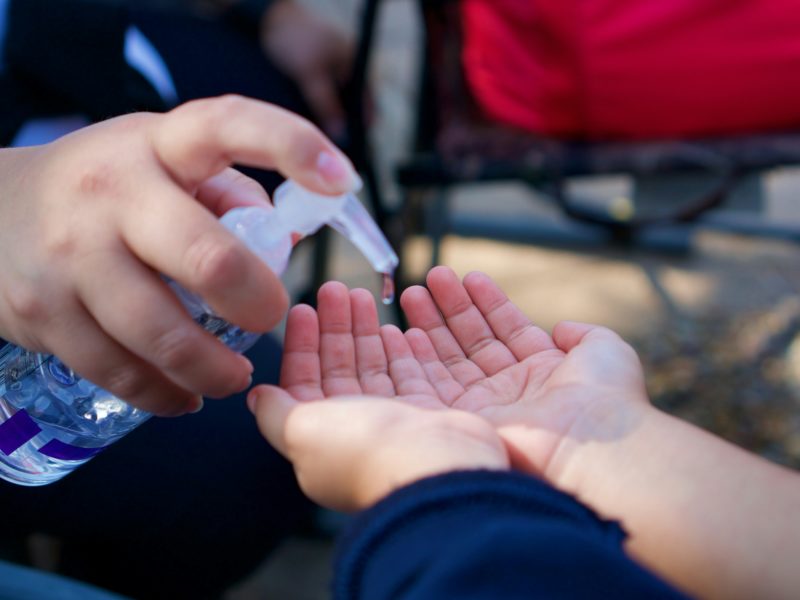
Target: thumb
[
  {"x": 272, "y": 406},
  {"x": 569, "y": 334},
  {"x": 201, "y": 138},
  {"x": 230, "y": 189}
]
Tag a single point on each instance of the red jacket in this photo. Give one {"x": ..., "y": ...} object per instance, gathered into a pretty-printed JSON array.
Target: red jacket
[{"x": 635, "y": 68}]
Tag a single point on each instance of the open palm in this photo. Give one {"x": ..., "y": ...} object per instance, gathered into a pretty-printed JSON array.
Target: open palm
[{"x": 470, "y": 349}]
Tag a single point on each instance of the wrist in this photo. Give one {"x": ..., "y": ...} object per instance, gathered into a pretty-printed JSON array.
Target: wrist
[
  {"x": 396, "y": 465},
  {"x": 605, "y": 428}
]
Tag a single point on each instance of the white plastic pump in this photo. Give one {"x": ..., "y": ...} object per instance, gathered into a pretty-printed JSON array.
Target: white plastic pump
[{"x": 297, "y": 210}]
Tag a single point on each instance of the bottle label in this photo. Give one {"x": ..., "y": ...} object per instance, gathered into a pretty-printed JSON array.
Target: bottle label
[
  {"x": 17, "y": 431},
  {"x": 20, "y": 429}
]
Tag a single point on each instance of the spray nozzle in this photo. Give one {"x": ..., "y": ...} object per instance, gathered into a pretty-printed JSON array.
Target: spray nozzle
[{"x": 304, "y": 212}]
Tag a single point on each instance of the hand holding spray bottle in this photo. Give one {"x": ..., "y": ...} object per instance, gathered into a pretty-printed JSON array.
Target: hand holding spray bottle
[{"x": 52, "y": 420}]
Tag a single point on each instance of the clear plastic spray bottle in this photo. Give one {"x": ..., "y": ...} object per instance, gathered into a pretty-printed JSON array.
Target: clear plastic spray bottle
[{"x": 52, "y": 421}]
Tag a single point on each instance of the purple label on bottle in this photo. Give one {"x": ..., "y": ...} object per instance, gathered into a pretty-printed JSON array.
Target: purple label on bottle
[
  {"x": 16, "y": 431},
  {"x": 60, "y": 450},
  {"x": 20, "y": 429}
]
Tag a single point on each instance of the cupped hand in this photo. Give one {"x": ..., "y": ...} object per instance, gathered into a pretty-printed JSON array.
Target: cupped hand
[
  {"x": 91, "y": 220},
  {"x": 470, "y": 349},
  {"x": 355, "y": 413},
  {"x": 545, "y": 394}
]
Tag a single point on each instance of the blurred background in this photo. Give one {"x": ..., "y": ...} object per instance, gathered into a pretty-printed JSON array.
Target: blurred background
[{"x": 687, "y": 247}]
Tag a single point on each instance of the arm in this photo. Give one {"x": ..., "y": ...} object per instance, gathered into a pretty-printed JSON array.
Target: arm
[
  {"x": 714, "y": 519},
  {"x": 709, "y": 517},
  {"x": 435, "y": 515}
]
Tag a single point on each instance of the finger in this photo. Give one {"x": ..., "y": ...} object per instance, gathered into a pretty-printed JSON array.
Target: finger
[
  {"x": 170, "y": 232},
  {"x": 137, "y": 309},
  {"x": 371, "y": 363},
  {"x": 601, "y": 356},
  {"x": 407, "y": 375},
  {"x": 466, "y": 322},
  {"x": 442, "y": 380},
  {"x": 508, "y": 322},
  {"x": 199, "y": 139},
  {"x": 422, "y": 313},
  {"x": 272, "y": 406},
  {"x": 104, "y": 362},
  {"x": 230, "y": 189},
  {"x": 336, "y": 346},
  {"x": 320, "y": 91},
  {"x": 300, "y": 367},
  {"x": 569, "y": 334}
]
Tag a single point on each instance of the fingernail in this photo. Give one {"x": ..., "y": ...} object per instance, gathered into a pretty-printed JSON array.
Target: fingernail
[
  {"x": 197, "y": 408},
  {"x": 247, "y": 364},
  {"x": 251, "y": 401},
  {"x": 338, "y": 171}
]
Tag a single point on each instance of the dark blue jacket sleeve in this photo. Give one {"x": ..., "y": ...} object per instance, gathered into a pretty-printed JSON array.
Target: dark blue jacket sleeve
[{"x": 487, "y": 535}]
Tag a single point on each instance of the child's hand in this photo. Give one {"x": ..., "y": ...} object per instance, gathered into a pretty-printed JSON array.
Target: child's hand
[
  {"x": 472, "y": 350},
  {"x": 350, "y": 452},
  {"x": 546, "y": 395}
]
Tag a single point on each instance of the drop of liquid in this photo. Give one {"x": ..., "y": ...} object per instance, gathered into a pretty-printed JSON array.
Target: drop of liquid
[{"x": 387, "y": 296}]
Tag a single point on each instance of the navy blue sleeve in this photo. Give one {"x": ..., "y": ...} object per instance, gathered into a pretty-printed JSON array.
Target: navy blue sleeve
[
  {"x": 491, "y": 535},
  {"x": 81, "y": 41}
]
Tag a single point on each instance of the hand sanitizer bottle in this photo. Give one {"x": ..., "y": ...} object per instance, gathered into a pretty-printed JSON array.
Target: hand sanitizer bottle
[{"x": 52, "y": 420}]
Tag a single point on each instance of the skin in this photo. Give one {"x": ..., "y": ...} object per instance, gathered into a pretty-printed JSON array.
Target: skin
[
  {"x": 315, "y": 54},
  {"x": 570, "y": 407},
  {"x": 93, "y": 219},
  {"x": 310, "y": 49}
]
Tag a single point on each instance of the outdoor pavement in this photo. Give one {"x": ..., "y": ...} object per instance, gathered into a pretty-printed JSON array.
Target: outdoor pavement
[{"x": 717, "y": 327}]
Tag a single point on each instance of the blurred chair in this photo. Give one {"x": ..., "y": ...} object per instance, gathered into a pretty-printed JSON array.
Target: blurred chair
[{"x": 676, "y": 184}]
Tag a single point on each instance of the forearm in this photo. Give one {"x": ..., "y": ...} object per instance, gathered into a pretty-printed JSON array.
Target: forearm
[{"x": 710, "y": 517}]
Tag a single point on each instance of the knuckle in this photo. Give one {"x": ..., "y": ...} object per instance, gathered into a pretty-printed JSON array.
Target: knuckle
[
  {"x": 126, "y": 381},
  {"x": 27, "y": 303},
  {"x": 60, "y": 243},
  {"x": 217, "y": 112},
  {"x": 174, "y": 349},
  {"x": 213, "y": 262},
  {"x": 247, "y": 183},
  {"x": 95, "y": 179},
  {"x": 306, "y": 143},
  {"x": 134, "y": 123}
]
